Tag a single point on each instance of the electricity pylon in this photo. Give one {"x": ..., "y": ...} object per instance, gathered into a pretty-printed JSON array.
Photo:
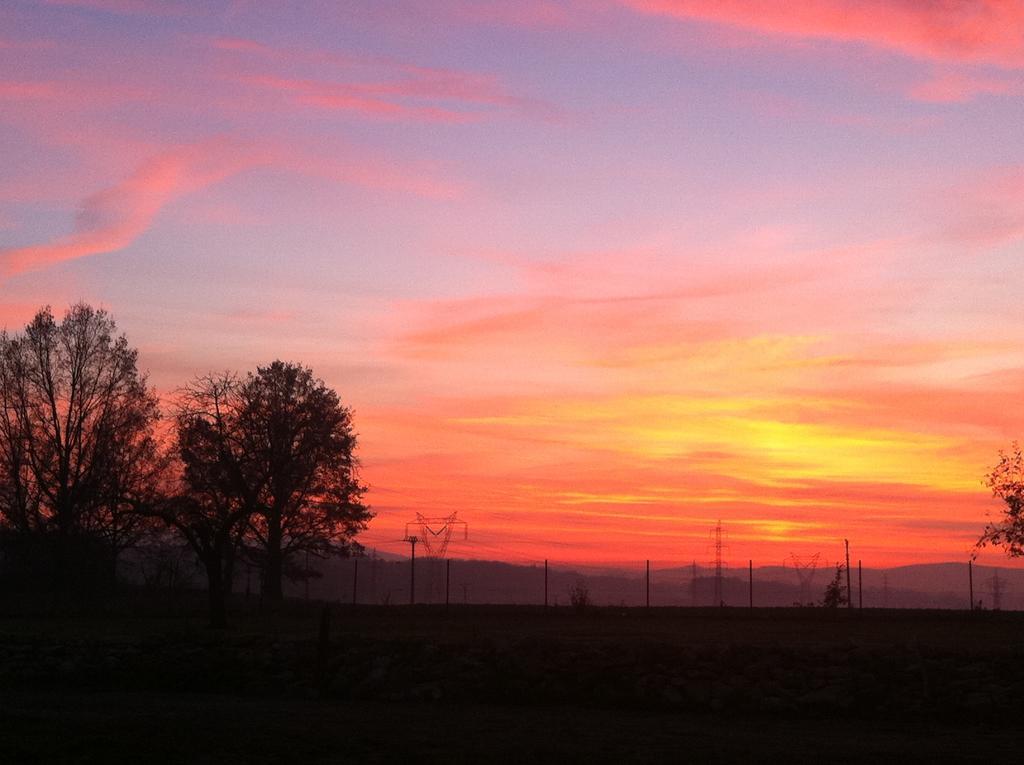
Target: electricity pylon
[
  {"x": 435, "y": 533},
  {"x": 804, "y": 568}
]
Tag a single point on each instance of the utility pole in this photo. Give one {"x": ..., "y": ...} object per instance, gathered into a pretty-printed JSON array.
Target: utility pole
[
  {"x": 373, "y": 576},
  {"x": 447, "y": 581},
  {"x": 849, "y": 590},
  {"x": 648, "y": 584},
  {"x": 751, "y": 564},
  {"x": 970, "y": 581},
  {"x": 860, "y": 586},
  {"x": 412, "y": 568},
  {"x": 719, "y": 600},
  {"x": 355, "y": 580}
]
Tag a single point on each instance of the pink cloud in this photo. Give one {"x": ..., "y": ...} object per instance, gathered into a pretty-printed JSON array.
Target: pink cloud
[
  {"x": 112, "y": 219},
  {"x": 261, "y": 317},
  {"x": 65, "y": 93},
  {"x": 13, "y": 315},
  {"x": 248, "y": 49},
  {"x": 374, "y": 86},
  {"x": 954, "y": 88},
  {"x": 977, "y": 31},
  {"x": 20, "y": 91},
  {"x": 986, "y": 211},
  {"x": 646, "y": 311},
  {"x": 778, "y": 107},
  {"x": 27, "y": 45},
  {"x": 240, "y": 44},
  {"x": 585, "y": 321},
  {"x": 347, "y": 166},
  {"x": 932, "y": 408},
  {"x": 364, "y": 100}
]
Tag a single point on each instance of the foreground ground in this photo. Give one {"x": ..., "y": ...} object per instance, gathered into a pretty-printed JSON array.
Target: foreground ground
[
  {"x": 188, "y": 728},
  {"x": 138, "y": 681}
]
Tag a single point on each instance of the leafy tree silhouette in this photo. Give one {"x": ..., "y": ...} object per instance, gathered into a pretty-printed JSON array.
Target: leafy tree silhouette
[
  {"x": 299, "y": 444},
  {"x": 266, "y": 463},
  {"x": 1006, "y": 481},
  {"x": 835, "y": 593},
  {"x": 579, "y": 595}
]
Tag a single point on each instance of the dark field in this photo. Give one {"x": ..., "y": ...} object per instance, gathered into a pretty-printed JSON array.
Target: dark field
[{"x": 134, "y": 681}]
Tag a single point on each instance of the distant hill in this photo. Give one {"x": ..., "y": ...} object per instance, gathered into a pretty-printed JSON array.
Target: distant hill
[{"x": 385, "y": 579}]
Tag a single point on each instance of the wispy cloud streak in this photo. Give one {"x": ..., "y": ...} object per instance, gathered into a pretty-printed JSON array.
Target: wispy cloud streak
[
  {"x": 113, "y": 218},
  {"x": 975, "y": 31}
]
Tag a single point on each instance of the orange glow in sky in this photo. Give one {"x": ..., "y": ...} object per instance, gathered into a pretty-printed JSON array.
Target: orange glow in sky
[{"x": 594, "y": 275}]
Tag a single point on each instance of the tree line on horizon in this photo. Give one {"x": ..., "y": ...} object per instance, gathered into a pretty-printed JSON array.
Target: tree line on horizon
[{"x": 256, "y": 468}]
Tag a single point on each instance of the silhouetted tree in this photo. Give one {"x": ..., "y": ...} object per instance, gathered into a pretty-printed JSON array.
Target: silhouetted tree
[
  {"x": 1006, "y": 481},
  {"x": 579, "y": 595},
  {"x": 213, "y": 497},
  {"x": 268, "y": 459},
  {"x": 835, "y": 593},
  {"x": 163, "y": 561},
  {"x": 299, "y": 443},
  {"x": 77, "y": 446}
]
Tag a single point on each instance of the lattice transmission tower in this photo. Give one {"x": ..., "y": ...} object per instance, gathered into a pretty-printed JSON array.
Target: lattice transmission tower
[
  {"x": 805, "y": 568},
  {"x": 718, "y": 544},
  {"x": 434, "y": 533},
  {"x": 996, "y": 588}
]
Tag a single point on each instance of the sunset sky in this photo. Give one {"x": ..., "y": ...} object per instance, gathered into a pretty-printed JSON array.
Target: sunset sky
[{"x": 592, "y": 274}]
